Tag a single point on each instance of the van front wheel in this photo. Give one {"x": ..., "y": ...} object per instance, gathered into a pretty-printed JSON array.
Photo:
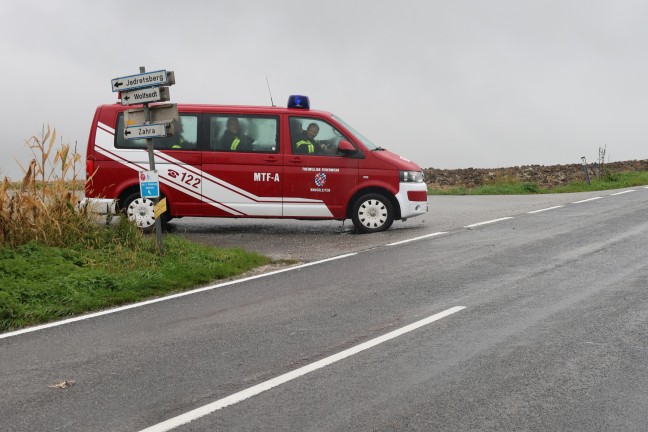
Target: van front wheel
[{"x": 372, "y": 213}]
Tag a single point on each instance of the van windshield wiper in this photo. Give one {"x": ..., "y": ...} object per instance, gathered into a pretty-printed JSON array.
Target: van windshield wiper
[{"x": 378, "y": 149}]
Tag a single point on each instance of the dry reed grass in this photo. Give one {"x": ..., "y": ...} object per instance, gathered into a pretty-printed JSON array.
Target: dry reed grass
[{"x": 43, "y": 207}]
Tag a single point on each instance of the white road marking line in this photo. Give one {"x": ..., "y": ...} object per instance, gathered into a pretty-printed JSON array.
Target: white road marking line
[
  {"x": 488, "y": 222},
  {"x": 586, "y": 200},
  {"x": 267, "y": 385},
  {"x": 622, "y": 192},
  {"x": 645, "y": 187},
  {"x": 416, "y": 238},
  {"x": 544, "y": 209},
  {"x": 162, "y": 299}
]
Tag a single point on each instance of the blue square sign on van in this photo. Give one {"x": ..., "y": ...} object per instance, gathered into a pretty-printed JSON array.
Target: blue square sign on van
[{"x": 149, "y": 184}]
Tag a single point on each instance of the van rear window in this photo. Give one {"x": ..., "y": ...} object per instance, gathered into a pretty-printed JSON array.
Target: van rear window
[
  {"x": 248, "y": 134},
  {"x": 185, "y": 136}
]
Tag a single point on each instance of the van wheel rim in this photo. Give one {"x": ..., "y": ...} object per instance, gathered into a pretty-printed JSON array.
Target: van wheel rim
[
  {"x": 372, "y": 213},
  {"x": 141, "y": 211}
]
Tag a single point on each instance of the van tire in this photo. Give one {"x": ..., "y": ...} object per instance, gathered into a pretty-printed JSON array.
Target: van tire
[
  {"x": 140, "y": 211},
  {"x": 372, "y": 212}
]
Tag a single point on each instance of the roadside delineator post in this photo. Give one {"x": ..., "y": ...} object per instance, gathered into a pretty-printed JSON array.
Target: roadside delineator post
[{"x": 586, "y": 170}]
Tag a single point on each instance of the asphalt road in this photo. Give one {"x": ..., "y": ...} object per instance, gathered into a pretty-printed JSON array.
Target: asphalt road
[
  {"x": 314, "y": 240},
  {"x": 553, "y": 334}
]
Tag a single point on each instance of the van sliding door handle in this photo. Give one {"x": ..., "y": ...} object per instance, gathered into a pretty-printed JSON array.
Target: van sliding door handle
[
  {"x": 297, "y": 160},
  {"x": 271, "y": 159}
]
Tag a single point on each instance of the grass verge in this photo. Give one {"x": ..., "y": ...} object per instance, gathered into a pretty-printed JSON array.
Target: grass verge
[
  {"x": 513, "y": 187},
  {"x": 40, "y": 283}
]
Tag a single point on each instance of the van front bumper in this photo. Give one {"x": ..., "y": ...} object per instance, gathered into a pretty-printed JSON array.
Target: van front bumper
[
  {"x": 98, "y": 205},
  {"x": 410, "y": 208}
]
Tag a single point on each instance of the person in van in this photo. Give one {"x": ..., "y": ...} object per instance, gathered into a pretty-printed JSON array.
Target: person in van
[
  {"x": 234, "y": 139},
  {"x": 307, "y": 144},
  {"x": 295, "y": 128},
  {"x": 177, "y": 141}
]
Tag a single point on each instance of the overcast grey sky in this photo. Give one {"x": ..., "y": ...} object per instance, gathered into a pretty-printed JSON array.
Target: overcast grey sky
[{"x": 449, "y": 84}]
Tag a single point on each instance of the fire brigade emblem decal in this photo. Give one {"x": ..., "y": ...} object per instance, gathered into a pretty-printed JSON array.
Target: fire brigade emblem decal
[{"x": 320, "y": 179}]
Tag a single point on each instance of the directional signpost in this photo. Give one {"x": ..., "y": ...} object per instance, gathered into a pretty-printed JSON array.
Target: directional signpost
[{"x": 148, "y": 123}]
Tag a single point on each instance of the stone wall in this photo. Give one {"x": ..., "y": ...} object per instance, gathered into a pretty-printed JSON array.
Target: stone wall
[{"x": 544, "y": 176}]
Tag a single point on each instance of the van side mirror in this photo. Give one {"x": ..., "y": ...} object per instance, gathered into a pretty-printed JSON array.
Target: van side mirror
[{"x": 346, "y": 147}]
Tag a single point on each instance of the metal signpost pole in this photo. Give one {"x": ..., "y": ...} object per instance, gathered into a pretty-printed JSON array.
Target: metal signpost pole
[{"x": 151, "y": 155}]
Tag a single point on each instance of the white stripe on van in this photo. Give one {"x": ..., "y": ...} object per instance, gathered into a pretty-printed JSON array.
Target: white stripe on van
[
  {"x": 170, "y": 182},
  {"x": 214, "y": 191},
  {"x": 106, "y": 128}
]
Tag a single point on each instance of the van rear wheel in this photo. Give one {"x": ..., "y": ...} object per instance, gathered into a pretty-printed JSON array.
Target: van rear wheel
[
  {"x": 372, "y": 213},
  {"x": 141, "y": 211}
]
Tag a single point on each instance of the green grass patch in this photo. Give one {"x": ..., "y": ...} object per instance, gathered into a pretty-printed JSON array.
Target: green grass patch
[
  {"x": 41, "y": 283},
  {"x": 513, "y": 187},
  {"x": 608, "y": 181}
]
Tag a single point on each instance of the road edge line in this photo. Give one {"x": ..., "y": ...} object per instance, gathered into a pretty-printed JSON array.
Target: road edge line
[
  {"x": 417, "y": 238},
  {"x": 545, "y": 209},
  {"x": 488, "y": 222},
  {"x": 165, "y": 298},
  {"x": 242, "y": 395}
]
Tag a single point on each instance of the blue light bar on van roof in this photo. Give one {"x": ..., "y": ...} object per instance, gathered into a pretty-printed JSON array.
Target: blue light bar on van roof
[{"x": 297, "y": 101}]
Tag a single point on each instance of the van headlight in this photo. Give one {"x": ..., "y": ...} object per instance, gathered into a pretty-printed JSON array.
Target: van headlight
[{"x": 411, "y": 176}]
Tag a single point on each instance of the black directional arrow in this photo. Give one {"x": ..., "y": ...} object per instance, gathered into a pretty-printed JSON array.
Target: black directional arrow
[
  {"x": 127, "y": 132},
  {"x": 118, "y": 84},
  {"x": 127, "y": 97}
]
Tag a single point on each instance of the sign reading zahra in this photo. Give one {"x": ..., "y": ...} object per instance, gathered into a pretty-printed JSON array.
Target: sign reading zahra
[{"x": 151, "y": 130}]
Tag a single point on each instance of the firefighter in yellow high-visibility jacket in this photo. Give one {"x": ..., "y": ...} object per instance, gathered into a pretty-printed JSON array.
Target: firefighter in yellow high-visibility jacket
[
  {"x": 234, "y": 139},
  {"x": 307, "y": 144}
]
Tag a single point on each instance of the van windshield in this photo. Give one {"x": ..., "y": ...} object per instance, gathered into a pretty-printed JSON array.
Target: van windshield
[{"x": 367, "y": 143}]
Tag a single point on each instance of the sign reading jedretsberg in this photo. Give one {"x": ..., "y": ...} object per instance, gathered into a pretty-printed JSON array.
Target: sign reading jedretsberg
[{"x": 148, "y": 79}]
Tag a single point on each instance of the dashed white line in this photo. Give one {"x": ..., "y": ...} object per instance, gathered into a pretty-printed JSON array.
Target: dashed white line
[
  {"x": 586, "y": 200},
  {"x": 267, "y": 385},
  {"x": 162, "y": 299},
  {"x": 623, "y": 192},
  {"x": 488, "y": 222},
  {"x": 416, "y": 238},
  {"x": 544, "y": 209}
]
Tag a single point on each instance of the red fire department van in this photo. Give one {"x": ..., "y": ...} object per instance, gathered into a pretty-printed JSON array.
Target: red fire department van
[{"x": 255, "y": 162}]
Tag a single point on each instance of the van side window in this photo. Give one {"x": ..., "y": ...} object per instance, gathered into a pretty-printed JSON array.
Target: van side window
[
  {"x": 185, "y": 136},
  {"x": 248, "y": 134},
  {"x": 314, "y": 137}
]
